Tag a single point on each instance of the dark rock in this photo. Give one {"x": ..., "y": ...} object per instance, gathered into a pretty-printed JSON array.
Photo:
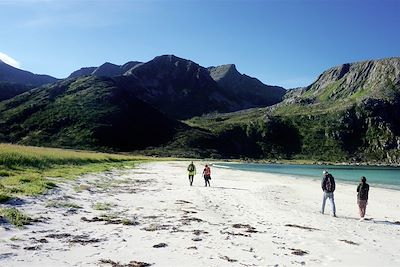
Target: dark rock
[
  {"x": 302, "y": 227},
  {"x": 32, "y": 248},
  {"x": 58, "y": 236},
  {"x": 130, "y": 264},
  {"x": 160, "y": 245},
  {"x": 349, "y": 242},
  {"x": 228, "y": 259},
  {"x": 298, "y": 252}
]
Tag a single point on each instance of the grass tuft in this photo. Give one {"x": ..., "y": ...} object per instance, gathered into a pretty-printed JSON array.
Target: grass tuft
[
  {"x": 4, "y": 198},
  {"x": 103, "y": 206},
  {"x": 15, "y": 217},
  {"x": 62, "y": 204}
]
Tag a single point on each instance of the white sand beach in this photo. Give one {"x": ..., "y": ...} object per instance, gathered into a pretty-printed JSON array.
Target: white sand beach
[{"x": 243, "y": 219}]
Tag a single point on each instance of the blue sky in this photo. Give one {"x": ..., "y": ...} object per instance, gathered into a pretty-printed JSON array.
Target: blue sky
[{"x": 287, "y": 42}]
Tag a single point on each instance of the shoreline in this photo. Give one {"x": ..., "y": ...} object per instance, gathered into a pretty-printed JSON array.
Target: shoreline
[
  {"x": 150, "y": 214},
  {"x": 375, "y": 183},
  {"x": 310, "y": 162}
]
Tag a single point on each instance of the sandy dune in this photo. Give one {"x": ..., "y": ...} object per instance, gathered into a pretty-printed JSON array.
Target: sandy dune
[{"x": 151, "y": 215}]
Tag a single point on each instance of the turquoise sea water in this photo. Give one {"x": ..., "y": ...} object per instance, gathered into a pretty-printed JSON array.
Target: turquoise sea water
[{"x": 387, "y": 177}]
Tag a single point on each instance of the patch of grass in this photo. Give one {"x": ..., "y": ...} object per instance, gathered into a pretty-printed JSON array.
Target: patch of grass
[
  {"x": 14, "y": 238},
  {"x": 15, "y": 217},
  {"x": 4, "y": 173},
  {"x": 62, "y": 204},
  {"x": 109, "y": 216},
  {"x": 126, "y": 221},
  {"x": 26, "y": 170},
  {"x": 103, "y": 206},
  {"x": 329, "y": 91}
]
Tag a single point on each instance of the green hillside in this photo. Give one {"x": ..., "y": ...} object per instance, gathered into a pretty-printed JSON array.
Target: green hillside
[
  {"x": 350, "y": 113},
  {"x": 86, "y": 112},
  {"x": 9, "y": 90}
]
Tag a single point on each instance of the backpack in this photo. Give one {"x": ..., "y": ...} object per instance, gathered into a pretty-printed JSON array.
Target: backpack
[
  {"x": 328, "y": 184},
  {"x": 363, "y": 193},
  {"x": 191, "y": 168}
]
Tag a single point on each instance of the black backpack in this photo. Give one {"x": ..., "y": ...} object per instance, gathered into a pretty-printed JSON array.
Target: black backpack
[
  {"x": 329, "y": 183},
  {"x": 363, "y": 193}
]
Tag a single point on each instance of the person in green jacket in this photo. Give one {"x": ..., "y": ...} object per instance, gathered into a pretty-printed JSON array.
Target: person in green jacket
[{"x": 192, "y": 172}]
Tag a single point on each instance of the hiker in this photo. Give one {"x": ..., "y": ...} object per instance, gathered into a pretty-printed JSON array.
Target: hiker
[
  {"x": 328, "y": 186},
  {"x": 192, "y": 172},
  {"x": 362, "y": 196},
  {"x": 207, "y": 175}
]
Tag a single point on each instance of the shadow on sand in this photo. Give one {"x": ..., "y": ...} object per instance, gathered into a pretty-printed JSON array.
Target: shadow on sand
[
  {"x": 372, "y": 220},
  {"x": 15, "y": 202}
]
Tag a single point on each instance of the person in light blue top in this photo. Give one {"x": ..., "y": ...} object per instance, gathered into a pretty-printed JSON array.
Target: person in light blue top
[{"x": 328, "y": 187}]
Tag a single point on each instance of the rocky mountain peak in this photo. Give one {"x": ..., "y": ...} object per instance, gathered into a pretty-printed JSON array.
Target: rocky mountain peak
[
  {"x": 227, "y": 71},
  {"x": 107, "y": 69},
  {"x": 170, "y": 67},
  {"x": 129, "y": 65},
  {"x": 85, "y": 71},
  {"x": 173, "y": 61},
  {"x": 373, "y": 78},
  {"x": 251, "y": 90}
]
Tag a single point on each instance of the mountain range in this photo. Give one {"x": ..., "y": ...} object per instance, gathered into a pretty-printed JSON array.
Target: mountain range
[{"x": 173, "y": 106}]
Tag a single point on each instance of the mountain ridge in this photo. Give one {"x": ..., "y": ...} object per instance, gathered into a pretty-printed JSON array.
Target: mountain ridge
[
  {"x": 169, "y": 81},
  {"x": 14, "y": 75},
  {"x": 350, "y": 113}
]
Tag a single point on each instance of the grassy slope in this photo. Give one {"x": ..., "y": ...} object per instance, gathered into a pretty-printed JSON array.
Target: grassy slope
[
  {"x": 25, "y": 170},
  {"x": 329, "y": 131},
  {"x": 86, "y": 113},
  {"x": 251, "y": 133}
]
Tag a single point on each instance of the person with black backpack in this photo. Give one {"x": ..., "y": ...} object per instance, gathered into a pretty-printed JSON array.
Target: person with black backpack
[
  {"x": 192, "y": 172},
  {"x": 328, "y": 187},
  {"x": 362, "y": 196}
]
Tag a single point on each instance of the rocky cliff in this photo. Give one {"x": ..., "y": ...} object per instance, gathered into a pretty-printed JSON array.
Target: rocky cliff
[
  {"x": 105, "y": 70},
  {"x": 251, "y": 91},
  {"x": 350, "y": 112},
  {"x": 350, "y": 83}
]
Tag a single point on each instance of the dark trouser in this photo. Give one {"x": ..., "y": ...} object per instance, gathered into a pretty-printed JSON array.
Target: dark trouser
[
  {"x": 362, "y": 205},
  {"x": 207, "y": 180},
  {"x": 191, "y": 179}
]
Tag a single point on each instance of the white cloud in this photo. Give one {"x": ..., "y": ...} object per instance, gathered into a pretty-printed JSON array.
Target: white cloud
[{"x": 9, "y": 60}]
